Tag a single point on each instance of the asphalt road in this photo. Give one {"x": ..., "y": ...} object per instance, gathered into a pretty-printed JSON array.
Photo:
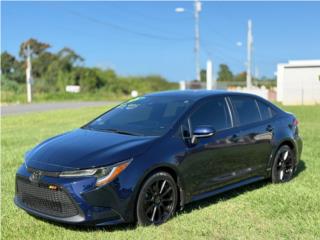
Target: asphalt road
[{"x": 42, "y": 107}]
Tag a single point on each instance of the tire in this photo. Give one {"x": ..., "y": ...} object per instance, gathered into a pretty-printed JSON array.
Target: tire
[
  {"x": 157, "y": 199},
  {"x": 283, "y": 165}
]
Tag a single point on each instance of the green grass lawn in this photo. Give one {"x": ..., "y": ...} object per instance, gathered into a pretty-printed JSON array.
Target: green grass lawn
[{"x": 258, "y": 211}]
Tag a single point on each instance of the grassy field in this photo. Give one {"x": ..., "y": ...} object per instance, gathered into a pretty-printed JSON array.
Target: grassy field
[{"x": 258, "y": 211}]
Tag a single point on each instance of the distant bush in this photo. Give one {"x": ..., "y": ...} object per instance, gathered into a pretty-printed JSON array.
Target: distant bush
[{"x": 10, "y": 85}]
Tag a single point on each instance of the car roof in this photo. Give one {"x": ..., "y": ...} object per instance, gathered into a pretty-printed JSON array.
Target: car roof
[{"x": 195, "y": 94}]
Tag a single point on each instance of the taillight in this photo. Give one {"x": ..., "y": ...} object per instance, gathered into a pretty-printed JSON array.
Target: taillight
[{"x": 295, "y": 122}]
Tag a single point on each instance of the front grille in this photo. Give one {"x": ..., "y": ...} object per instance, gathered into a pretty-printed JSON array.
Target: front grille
[{"x": 42, "y": 199}]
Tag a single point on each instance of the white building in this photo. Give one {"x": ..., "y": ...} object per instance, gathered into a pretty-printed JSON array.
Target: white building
[{"x": 298, "y": 82}]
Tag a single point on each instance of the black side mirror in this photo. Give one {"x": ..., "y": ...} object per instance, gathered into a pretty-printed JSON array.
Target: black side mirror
[{"x": 202, "y": 132}]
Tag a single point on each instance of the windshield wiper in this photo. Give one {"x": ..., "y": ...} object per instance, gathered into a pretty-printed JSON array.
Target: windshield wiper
[{"x": 121, "y": 132}]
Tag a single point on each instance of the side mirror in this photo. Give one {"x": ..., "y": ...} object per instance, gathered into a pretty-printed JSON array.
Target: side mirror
[{"x": 201, "y": 132}]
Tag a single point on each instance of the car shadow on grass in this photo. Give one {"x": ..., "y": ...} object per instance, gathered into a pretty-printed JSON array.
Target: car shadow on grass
[
  {"x": 89, "y": 228},
  {"x": 187, "y": 209},
  {"x": 301, "y": 167}
]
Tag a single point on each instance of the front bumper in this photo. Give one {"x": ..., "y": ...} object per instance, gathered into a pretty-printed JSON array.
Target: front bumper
[{"x": 95, "y": 206}]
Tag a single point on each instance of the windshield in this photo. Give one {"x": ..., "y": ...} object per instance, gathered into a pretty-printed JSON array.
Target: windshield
[{"x": 146, "y": 116}]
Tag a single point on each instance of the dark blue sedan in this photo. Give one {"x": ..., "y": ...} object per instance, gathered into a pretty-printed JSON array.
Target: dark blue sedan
[{"x": 149, "y": 156}]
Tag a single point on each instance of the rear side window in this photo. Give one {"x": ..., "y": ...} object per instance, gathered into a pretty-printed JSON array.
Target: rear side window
[
  {"x": 265, "y": 110},
  {"x": 246, "y": 109},
  {"x": 214, "y": 114}
]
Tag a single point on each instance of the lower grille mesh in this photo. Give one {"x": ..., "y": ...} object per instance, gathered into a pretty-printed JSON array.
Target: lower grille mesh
[{"x": 40, "y": 198}]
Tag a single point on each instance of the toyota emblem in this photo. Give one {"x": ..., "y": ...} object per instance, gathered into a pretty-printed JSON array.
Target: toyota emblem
[{"x": 35, "y": 176}]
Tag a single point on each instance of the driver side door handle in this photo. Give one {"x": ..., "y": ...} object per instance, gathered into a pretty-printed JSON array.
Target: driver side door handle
[
  {"x": 269, "y": 128},
  {"x": 234, "y": 138}
]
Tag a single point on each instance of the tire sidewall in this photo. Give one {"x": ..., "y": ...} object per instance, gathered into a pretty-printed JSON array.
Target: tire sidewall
[
  {"x": 141, "y": 217},
  {"x": 274, "y": 174}
]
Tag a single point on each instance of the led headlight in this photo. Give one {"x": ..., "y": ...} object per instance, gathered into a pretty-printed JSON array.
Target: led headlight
[
  {"x": 104, "y": 175},
  {"x": 79, "y": 173}
]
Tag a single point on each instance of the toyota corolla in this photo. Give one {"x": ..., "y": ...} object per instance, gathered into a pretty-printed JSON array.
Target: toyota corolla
[{"x": 148, "y": 157}]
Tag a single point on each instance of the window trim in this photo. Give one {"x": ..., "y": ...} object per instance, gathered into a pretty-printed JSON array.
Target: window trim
[
  {"x": 237, "y": 114},
  {"x": 271, "y": 108},
  {"x": 257, "y": 104},
  {"x": 225, "y": 98}
]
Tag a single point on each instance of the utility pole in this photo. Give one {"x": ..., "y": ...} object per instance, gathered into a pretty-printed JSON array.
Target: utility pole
[
  {"x": 249, "y": 54},
  {"x": 29, "y": 75},
  {"x": 197, "y": 9},
  {"x": 209, "y": 75}
]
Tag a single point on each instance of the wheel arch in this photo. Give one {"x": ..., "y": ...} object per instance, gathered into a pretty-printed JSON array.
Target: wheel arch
[
  {"x": 170, "y": 170},
  {"x": 289, "y": 142}
]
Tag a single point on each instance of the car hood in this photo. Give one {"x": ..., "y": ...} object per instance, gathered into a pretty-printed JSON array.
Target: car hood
[{"x": 82, "y": 148}]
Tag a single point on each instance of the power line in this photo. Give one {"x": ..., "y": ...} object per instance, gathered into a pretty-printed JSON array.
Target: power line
[
  {"x": 215, "y": 32},
  {"x": 223, "y": 53},
  {"x": 141, "y": 16},
  {"x": 125, "y": 29}
]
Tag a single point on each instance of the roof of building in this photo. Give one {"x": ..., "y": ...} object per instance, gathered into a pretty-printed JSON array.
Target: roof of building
[{"x": 301, "y": 63}]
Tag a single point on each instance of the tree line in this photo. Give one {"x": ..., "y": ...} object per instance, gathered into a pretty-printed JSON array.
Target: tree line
[
  {"x": 227, "y": 76},
  {"x": 53, "y": 71}
]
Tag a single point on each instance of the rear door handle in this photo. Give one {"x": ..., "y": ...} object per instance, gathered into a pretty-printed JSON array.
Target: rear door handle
[{"x": 269, "y": 128}]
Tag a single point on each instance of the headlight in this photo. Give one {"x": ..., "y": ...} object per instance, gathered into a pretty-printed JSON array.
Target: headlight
[
  {"x": 104, "y": 175},
  {"x": 79, "y": 173}
]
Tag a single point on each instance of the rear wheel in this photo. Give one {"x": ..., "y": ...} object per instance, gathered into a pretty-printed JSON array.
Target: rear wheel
[
  {"x": 283, "y": 165},
  {"x": 157, "y": 199}
]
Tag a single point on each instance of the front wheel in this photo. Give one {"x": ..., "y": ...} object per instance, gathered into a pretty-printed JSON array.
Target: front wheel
[
  {"x": 157, "y": 199},
  {"x": 283, "y": 165}
]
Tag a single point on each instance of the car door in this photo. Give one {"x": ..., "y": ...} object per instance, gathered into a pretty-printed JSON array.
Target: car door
[
  {"x": 213, "y": 161},
  {"x": 255, "y": 134}
]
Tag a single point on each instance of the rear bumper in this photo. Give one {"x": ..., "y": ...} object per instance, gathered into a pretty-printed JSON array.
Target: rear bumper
[{"x": 112, "y": 210}]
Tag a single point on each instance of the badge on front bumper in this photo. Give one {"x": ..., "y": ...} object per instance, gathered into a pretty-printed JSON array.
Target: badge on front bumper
[{"x": 35, "y": 176}]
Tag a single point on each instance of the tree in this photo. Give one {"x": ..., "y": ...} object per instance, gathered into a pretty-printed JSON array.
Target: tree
[
  {"x": 87, "y": 78},
  {"x": 203, "y": 75},
  {"x": 225, "y": 73},
  {"x": 36, "y": 47},
  {"x": 68, "y": 58},
  {"x": 241, "y": 77},
  {"x": 19, "y": 72},
  {"x": 107, "y": 77},
  {"x": 8, "y": 63},
  {"x": 56, "y": 69},
  {"x": 40, "y": 65},
  {"x": 11, "y": 68}
]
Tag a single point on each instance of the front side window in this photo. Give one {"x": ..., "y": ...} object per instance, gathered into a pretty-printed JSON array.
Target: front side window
[
  {"x": 246, "y": 109},
  {"x": 147, "y": 116},
  {"x": 213, "y": 114}
]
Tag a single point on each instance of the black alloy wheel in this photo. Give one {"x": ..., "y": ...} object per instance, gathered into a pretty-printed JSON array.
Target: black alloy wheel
[
  {"x": 157, "y": 199},
  {"x": 283, "y": 165}
]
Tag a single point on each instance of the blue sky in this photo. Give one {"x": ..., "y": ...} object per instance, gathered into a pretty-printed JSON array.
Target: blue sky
[{"x": 137, "y": 38}]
